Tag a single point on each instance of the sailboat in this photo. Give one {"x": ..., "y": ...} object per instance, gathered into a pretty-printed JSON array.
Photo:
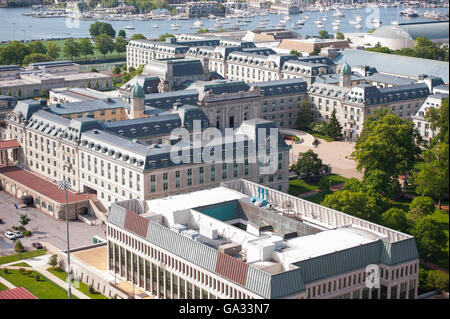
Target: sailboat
[
  {"x": 395, "y": 22},
  {"x": 130, "y": 26}
]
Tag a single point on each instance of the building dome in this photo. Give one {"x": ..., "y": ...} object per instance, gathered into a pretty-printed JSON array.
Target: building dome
[
  {"x": 346, "y": 69},
  {"x": 137, "y": 92}
]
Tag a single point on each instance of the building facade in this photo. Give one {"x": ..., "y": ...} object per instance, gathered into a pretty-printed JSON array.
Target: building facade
[{"x": 233, "y": 242}]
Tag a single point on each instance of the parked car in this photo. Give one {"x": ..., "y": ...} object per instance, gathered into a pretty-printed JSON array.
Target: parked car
[
  {"x": 10, "y": 235},
  {"x": 18, "y": 234},
  {"x": 1, "y": 221},
  {"x": 37, "y": 245}
]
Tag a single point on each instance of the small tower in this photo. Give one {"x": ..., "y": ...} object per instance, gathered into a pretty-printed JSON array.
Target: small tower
[
  {"x": 345, "y": 76},
  {"x": 137, "y": 102}
]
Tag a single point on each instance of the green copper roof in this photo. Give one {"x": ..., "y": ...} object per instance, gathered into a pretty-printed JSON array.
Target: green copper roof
[
  {"x": 138, "y": 91},
  {"x": 346, "y": 69}
]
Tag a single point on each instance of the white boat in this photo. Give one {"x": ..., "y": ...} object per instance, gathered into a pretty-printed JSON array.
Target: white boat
[
  {"x": 358, "y": 18},
  {"x": 336, "y": 27},
  {"x": 130, "y": 26},
  {"x": 319, "y": 25},
  {"x": 300, "y": 22},
  {"x": 198, "y": 23},
  {"x": 338, "y": 14},
  {"x": 358, "y": 26},
  {"x": 336, "y": 22},
  {"x": 286, "y": 18},
  {"x": 306, "y": 17},
  {"x": 394, "y": 22},
  {"x": 353, "y": 22},
  {"x": 155, "y": 26}
]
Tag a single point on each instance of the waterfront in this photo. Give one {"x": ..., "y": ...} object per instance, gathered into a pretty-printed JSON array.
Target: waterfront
[{"x": 17, "y": 26}]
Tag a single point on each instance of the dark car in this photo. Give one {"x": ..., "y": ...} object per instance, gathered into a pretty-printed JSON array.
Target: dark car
[{"x": 37, "y": 245}]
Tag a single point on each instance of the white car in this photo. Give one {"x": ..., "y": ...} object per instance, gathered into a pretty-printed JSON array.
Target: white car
[
  {"x": 10, "y": 235},
  {"x": 18, "y": 234}
]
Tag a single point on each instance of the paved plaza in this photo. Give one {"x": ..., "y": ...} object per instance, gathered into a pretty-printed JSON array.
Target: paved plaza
[
  {"x": 337, "y": 154},
  {"x": 43, "y": 227}
]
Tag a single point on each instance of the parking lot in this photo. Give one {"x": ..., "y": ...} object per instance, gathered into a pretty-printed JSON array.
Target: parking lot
[{"x": 43, "y": 227}]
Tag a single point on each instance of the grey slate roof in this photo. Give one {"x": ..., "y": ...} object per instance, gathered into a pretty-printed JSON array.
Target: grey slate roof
[
  {"x": 287, "y": 86},
  {"x": 167, "y": 99},
  {"x": 219, "y": 86},
  {"x": 395, "y": 64},
  {"x": 88, "y": 106},
  {"x": 390, "y": 79}
]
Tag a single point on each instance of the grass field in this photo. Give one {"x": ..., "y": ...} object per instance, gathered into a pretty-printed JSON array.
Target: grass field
[
  {"x": 22, "y": 256},
  {"x": 83, "y": 287},
  {"x": 43, "y": 289},
  {"x": 3, "y": 287},
  {"x": 299, "y": 186},
  {"x": 22, "y": 264}
]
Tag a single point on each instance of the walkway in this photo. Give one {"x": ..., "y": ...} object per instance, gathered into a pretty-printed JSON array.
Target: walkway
[{"x": 307, "y": 138}]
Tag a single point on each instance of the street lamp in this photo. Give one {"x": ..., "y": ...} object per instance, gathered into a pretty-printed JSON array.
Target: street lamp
[{"x": 65, "y": 185}]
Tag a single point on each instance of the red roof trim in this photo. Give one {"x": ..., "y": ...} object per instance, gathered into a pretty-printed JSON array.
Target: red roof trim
[
  {"x": 9, "y": 144},
  {"x": 232, "y": 268},
  {"x": 136, "y": 224}
]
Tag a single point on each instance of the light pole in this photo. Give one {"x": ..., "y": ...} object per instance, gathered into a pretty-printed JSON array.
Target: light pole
[{"x": 65, "y": 185}]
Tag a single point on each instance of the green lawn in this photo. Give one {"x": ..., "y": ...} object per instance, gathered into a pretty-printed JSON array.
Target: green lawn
[
  {"x": 43, "y": 289},
  {"x": 317, "y": 198},
  {"x": 83, "y": 287},
  {"x": 21, "y": 256},
  {"x": 3, "y": 287},
  {"x": 318, "y": 135},
  {"x": 22, "y": 264},
  {"x": 299, "y": 186}
]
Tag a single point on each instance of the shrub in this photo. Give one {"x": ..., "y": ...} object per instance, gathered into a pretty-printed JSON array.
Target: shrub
[
  {"x": 91, "y": 289},
  {"x": 37, "y": 277},
  {"x": 324, "y": 184},
  {"x": 26, "y": 233},
  {"x": 5, "y": 270},
  {"x": 424, "y": 203},
  {"x": 19, "y": 247},
  {"x": 438, "y": 280},
  {"x": 21, "y": 270},
  {"x": 93, "y": 70},
  {"x": 53, "y": 260}
]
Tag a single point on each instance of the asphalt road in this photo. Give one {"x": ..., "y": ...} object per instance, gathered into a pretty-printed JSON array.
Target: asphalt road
[{"x": 43, "y": 227}]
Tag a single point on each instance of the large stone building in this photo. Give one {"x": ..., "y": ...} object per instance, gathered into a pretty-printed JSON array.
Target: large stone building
[
  {"x": 243, "y": 240},
  {"x": 116, "y": 161},
  {"x": 39, "y": 78}
]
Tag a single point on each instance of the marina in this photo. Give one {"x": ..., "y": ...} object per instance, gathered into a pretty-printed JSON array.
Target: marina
[{"x": 26, "y": 23}]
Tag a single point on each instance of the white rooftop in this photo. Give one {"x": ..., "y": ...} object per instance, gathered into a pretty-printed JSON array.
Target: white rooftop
[
  {"x": 195, "y": 199},
  {"x": 326, "y": 242}
]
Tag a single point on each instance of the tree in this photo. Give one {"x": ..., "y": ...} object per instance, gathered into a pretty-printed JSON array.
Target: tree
[
  {"x": 316, "y": 50},
  {"x": 116, "y": 70},
  {"x": 323, "y": 34},
  {"x": 53, "y": 50},
  {"x": 138, "y": 36},
  {"x": 387, "y": 143},
  {"x": 164, "y": 36},
  {"x": 122, "y": 34},
  {"x": 71, "y": 48},
  {"x": 433, "y": 179},
  {"x": 438, "y": 279},
  {"x": 24, "y": 220},
  {"x": 334, "y": 128},
  {"x": 18, "y": 248},
  {"x": 297, "y": 53},
  {"x": 354, "y": 185},
  {"x": 14, "y": 53},
  {"x": 120, "y": 44},
  {"x": 340, "y": 36},
  {"x": 439, "y": 121},
  {"x": 324, "y": 185},
  {"x": 104, "y": 44},
  {"x": 358, "y": 204},
  {"x": 396, "y": 219},
  {"x": 38, "y": 47},
  {"x": 305, "y": 115},
  {"x": 53, "y": 260},
  {"x": 93, "y": 70},
  {"x": 380, "y": 183},
  {"x": 309, "y": 164},
  {"x": 203, "y": 30},
  {"x": 37, "y": 57},
  {"x": 424, "y": 203},
  {"x": 86, "y": 47},
  {"x": 430, "y": 238},
  {"x": 98, "y": 28}
]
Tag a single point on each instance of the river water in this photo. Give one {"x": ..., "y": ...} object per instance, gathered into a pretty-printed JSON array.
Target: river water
[{"x": 14, "y": 25}]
